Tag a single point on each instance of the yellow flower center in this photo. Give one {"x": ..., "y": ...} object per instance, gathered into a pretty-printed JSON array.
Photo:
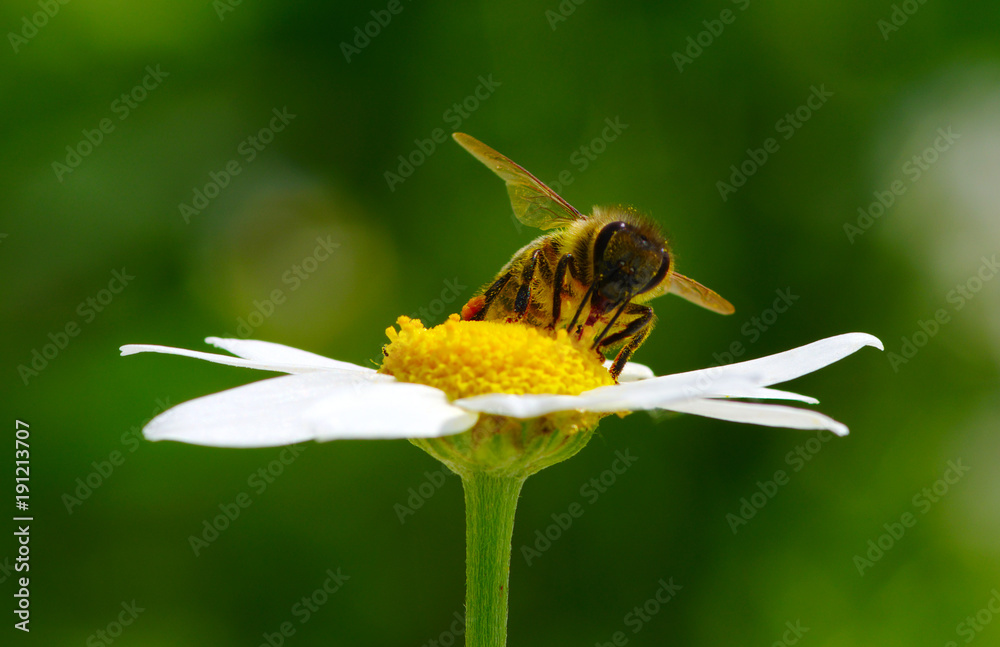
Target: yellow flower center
[{"x": 467, "y": 358}]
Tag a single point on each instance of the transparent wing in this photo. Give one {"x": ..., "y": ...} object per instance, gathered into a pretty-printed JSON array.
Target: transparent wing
[
  {"x": 535, "y": 204},
  {"x": 690, "y": 290},
  {"x": 698, "y": 294}
]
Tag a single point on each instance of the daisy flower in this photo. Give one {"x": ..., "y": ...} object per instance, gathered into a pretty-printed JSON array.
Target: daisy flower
[
  {"x": 495, "y": 402},
  {"x": 441, "y": 381}
]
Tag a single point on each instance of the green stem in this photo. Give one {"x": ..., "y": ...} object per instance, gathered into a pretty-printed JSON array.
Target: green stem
[{"x": 490, "y": 502}]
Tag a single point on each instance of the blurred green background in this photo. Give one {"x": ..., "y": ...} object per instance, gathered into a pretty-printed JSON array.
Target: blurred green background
[{"x": 79, "y": 203}]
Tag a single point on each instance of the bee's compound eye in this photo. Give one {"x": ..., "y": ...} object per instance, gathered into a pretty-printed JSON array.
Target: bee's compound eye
[
  {"x": 660, "y": 273},
  {"x": 601, "y": 243}
]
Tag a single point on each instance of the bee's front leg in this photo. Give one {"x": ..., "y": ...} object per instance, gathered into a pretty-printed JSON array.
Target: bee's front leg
[
  {"x": 635, "y": 331},
  {"x": 565, "y": 263},
  {"x": 523, "y": 298}
]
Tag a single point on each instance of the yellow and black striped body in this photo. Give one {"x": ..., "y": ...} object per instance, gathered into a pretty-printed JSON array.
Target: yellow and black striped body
[
  {"x": 591, "y": 275},
  {"x": 574, "y": 262}
]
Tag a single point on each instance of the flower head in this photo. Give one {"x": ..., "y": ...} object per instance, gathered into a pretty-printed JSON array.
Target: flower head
[
  {"x": 488, "y": 379},
  {"x": 469, "y": 358}
]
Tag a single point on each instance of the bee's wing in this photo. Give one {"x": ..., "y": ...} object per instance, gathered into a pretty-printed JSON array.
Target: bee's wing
[
  {"x": 535, "y": 204},
  {"x": 698, "y": 294}
]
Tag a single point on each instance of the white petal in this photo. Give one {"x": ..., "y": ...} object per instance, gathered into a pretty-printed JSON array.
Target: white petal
[
  {"x": 771, "y": 415},
  {"x": 265, "y": 351},
  {"x": 632, "y": 371},
  {"x": 764, "y": 393},
  {"x": 658, "y": 392},
  {"x": 280, "y": 367},
  {"x": 790, "y": 364},
  {"x": 388, "y": 410},
  {"x": 262, "y": 414},
  {"x": 520, "y": 406},
  {"x": 742, "y": 380},
  {"x": 605, "y": 399}
]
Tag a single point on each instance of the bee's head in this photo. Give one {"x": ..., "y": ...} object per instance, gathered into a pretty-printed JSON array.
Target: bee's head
[{"x": 628, "y": 261}]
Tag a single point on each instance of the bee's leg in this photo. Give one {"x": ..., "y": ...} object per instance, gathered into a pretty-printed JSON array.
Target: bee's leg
[
  {"x": 524, "y": 292},
  {"x": 490, "y": 295},
  {"x": 636, "y": 332},
  {"x": 583, "y": 304},
  {"x": 597, "y": 340},
  {"x": 566, "y": 262}
]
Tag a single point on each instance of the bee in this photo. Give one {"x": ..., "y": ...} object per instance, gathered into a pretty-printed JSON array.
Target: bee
[{"x": 604, "y": 266}]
